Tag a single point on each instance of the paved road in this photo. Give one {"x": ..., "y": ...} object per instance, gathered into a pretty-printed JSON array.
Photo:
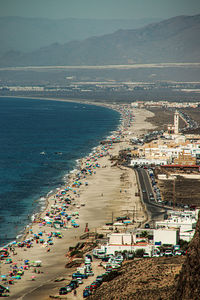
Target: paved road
[{"x": 155, "y": 211}]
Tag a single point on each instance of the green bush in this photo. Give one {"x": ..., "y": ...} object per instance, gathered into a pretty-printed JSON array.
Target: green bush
[
  {"x": 144, "y": 234},
  {"x": 183, "y": 245},
  {"x": 139, "y": 252}
]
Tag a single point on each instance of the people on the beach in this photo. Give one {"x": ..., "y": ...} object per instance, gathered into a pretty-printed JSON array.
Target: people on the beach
[{"x": 62, "y": 212}]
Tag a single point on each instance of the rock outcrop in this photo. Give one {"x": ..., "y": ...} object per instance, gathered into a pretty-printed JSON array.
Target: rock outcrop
[{"x": 188, "y": 286}]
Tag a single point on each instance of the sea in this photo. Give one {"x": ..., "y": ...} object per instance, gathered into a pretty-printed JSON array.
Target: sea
[{"x": 41, "y": 142}]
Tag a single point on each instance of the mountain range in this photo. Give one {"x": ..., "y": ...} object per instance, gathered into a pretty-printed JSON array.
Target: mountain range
[
  {"x": 29, "y": 34},
  {"x": 169, "y": 41}
]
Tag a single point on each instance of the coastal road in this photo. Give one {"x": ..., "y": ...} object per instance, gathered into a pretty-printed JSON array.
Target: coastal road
[{"x": 155, "y": 211}]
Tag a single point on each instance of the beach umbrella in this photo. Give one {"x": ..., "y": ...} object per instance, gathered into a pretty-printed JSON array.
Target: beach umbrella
[
  {"x": 4, "y": 249},
  {"x": 25, "y": 267},
  {"x": 10, "y": 281},
  {"x": 26, "y": 261},
  {"x": 20, "y": 273}
]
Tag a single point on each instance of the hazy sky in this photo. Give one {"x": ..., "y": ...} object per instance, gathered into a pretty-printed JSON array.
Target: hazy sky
[{"x": 99, "y": 9}]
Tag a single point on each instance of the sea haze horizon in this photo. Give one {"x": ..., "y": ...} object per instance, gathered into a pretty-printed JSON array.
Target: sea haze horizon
[{"x": 41, "y": 141}]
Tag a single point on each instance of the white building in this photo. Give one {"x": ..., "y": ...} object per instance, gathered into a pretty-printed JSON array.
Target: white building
[
  {"x": 166, "y": 236},
  {"x": 188, "y": 214},
  {"x": 185, "y": 222},
  {"x": 119, "y": 242},
  {"x": 144, "y": 161}
]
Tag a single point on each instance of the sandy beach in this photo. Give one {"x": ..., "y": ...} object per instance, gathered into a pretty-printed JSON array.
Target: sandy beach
[{"x": 98, "y": 191}]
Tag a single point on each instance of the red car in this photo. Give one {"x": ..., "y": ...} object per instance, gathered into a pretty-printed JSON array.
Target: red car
[{"x": 93, "y": 286}]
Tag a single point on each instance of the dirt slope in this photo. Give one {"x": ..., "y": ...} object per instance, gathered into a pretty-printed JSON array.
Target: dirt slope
[{"x": 151, "y": 278}]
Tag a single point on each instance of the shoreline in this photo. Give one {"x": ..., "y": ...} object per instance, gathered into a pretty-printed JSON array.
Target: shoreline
[
  {"x": 65, "y": 177},
  {"x": 90, "y": 212},
  {"x": 81, "y": 101}
]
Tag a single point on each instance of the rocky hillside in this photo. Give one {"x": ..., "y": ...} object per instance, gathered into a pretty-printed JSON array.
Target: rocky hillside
[
  {"x": 173, "y": 40},
  {"x": 28, "y": 34},
  {"x": 188, "y": 286}
]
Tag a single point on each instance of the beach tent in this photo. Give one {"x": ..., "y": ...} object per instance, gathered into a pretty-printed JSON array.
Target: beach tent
[
  {"x": 75, "y": 225},
  {"x": 37, "y": 263},
  {"x": 127, "y": 222},
  {"x": 8, "y": 261},
  {"x": 49, "y": 222}
]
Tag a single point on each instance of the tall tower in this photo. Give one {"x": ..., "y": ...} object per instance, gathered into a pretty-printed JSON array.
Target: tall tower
[{"x": 176, "y": 122}]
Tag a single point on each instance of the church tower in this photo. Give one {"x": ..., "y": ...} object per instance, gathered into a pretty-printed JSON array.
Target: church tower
[{"x": 176, "y": 122}]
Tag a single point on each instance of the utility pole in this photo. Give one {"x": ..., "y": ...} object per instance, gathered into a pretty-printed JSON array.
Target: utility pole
[{"x": 174, "y": 192}]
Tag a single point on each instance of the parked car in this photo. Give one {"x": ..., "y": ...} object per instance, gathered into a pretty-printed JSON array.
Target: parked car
[
  {"x": 93, "y": 286},
  {"x": 119, "y": 259},
  {"x": 86, "y": 293},
  {"x": 168, "y": 253},
  {"x": 178, "y": 252},
  {"x": 105, "y": 258},
  {"x": 74, "y": 283},
  {"x": 146, "y": 255},
  {"x": 64, "y": 290},
  {"x": 90, "y": 273},
  {"x": 80, "y": 280},
  {"x": 89, "y": 256},
  {"x": 156, "y": 255},
  {"x": 79, "y": 275},
  {"x": 100, "y": 278}
]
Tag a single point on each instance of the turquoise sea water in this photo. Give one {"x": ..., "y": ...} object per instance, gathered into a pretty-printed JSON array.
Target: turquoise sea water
[{"x": 40, "y": 142}]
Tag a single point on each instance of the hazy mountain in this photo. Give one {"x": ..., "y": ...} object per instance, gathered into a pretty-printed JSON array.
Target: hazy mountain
[
  {"x": 28, "y": 34},
  {"x": 172, "y": 40}
]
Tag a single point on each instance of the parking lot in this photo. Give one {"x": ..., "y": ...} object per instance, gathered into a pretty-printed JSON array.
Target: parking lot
[{"x": 97, "y": 269}]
